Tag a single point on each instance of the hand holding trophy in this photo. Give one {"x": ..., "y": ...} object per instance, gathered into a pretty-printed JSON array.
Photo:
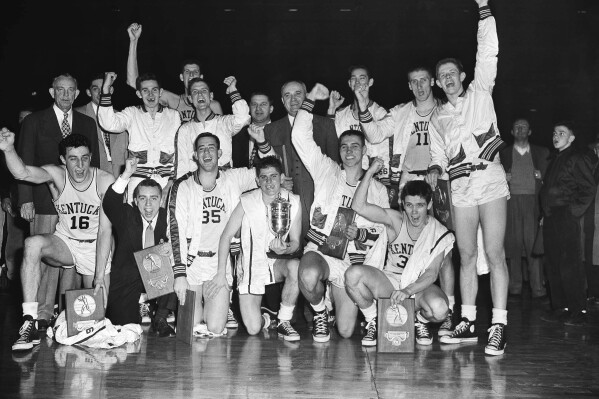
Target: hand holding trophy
[{"x": 279, "y": 217}]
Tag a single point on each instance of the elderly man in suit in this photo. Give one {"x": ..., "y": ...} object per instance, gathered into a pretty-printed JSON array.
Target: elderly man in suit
[
  {"x": 278, "y": 135},
  {"x": 134, "y": 227},
  {"x": 38, "y": 145},
  {"x": 112, "y": 147}
]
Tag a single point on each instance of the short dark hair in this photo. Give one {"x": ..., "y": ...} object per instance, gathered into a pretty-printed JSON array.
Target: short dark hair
[
  {"x": 206, "y": 134},
  {"x": 196, "y": 80},
  {"x": 268, "y": 162},
  {"x": 96, "y": 76},
  {"x": 449, "y": 60},
  {"x": 417, "y": 188},
  {"x": 261, "y": 93},
  {"x": 73, "y": 140},
  {"x": 191, "y": 61},
  {"x": 352, "y": 68},
  {"x": 147, "y": 182},
  {"x": 62, "y": 76},
  {"x": 356, "y": 133},
  {"x": 144, "y": 77},
  {"x": 567, "y": 124},
  {"x": 294, "y": 81},
  {"x": 418, "y": 68}
]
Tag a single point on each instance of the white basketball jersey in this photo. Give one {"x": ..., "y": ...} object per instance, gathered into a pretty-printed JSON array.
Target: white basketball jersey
[
  {"x": 400, "y": 250},
  {"x": 214, "y": 220},
  {"x": 79, "y": 211}
]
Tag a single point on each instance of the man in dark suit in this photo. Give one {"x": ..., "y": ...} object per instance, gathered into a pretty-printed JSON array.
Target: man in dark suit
[
  {"x": 278, "y": 134},
  {"x": 38, "y": 145},
  {"x": 134, "y": 228},
  {"x": 245, "y": 149},
  {"x": 112, "y": 148}
]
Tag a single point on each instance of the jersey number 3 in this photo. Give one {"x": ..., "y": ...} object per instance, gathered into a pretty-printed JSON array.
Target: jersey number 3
[{"x": 83, "y": 223}]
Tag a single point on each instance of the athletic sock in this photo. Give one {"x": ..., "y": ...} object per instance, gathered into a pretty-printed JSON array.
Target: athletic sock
[
  {"x": 369, "y": 312},
  {"x": 319, "y": 307},
  {"x": 499, "y": 316},
  {"x": 451, "y": 304},
  {"x": 30, "y": 308},
  {"x": 285, "y": 312},
  {"x": 469, "y": 312},
  {"x": 421, "y": 318}
]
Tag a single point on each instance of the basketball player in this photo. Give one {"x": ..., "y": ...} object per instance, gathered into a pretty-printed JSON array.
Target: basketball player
[
  {"x": 465, "y": 142},
  {"x": 418, "y": 243},
  {"x": 222, "y": 126},
  {"x": 265, "y": 259},
  {"x": 407, "y": 125},
  {"x": 152, "y": 131},
  {"x": 189, "y": 69},
  {"x": 77, "y": 191},
  {"x": 347, "y": 118},
  {"x": 195, "y": 230},
  {"x": 334, "y": 188}
]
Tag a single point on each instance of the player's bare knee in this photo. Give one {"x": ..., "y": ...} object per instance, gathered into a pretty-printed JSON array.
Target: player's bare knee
[
  {"x": 33, "y": 246},
  {"x": 438, "y": 310},
  {"x": 309, "y": 277},
  {"x": 253, "y": 328},
  {"x": 353, "y": 276},
  {"x": 215, "y": 326},
  {"x": 346, "y": 330}
]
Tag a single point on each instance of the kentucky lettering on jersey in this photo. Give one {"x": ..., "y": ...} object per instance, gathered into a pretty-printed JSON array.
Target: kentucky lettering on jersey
[
  {"x": 421, "y": 130},
  {"x": 401, "y": 253},
  {"x": 212, "y": 208},
  {"x": 186, "y": 114},
  {"x": 77, "y": 207}
]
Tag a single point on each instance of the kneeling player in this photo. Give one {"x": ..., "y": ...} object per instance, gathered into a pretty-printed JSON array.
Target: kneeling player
[
  {"x": 265, "y": 259},
  {"x": 418, "y": 243},
  {"x": 77, "y": 191}
]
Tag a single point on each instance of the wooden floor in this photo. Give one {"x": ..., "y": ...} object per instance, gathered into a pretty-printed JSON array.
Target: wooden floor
[{"x": 542, "y": 360}]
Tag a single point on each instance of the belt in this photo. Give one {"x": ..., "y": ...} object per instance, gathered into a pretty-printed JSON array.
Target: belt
[
  {"x": 480, "y": 166},
  {"x": 206, "y": 254},
  {"x": 418, "y": 172},
  {"x": 163, "y": 171},
  {"x": 88, "y": 241}
]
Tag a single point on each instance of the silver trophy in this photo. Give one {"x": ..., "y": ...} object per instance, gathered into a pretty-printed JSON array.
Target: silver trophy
[{"x": 279, "y": 216}]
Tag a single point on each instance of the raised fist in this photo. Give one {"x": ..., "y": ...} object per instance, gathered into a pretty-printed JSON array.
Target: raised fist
[
  {"x": 376, "y": 165},
  {"x": 318, "y": 92},
  {"x": 134, "y": 31},
  {"x": 231, "y": 83},
  {"x": 335, "y": 100},
  {"x": 361, "y": 93},
  {"x": 130, "y": 167},
  {"x": 257, "y": 133},
  {"x": 109, "y": 78},
  {"x": 482, "y": 3},
  {"x": 7, "y": 139}
]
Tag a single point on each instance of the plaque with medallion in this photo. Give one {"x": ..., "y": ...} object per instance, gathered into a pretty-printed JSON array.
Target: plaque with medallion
[
  {"x": 336, "y": 243},
  {"x": 395, "y": 330},
  {"x": 83, "y": 309},
  {"x": 155, "y": 266}
]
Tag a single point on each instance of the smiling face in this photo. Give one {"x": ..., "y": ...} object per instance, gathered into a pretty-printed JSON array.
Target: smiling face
[
  {"x": 150, "y": 92},
  {"x": 416, "y": 209},
  {"x": 293, "y": 95},
  {"x": 189, "y": 72},
  {"x": 421, "y": 85},
  {"x": 148, "y": 202},
  {"x": 64, "y": 92},
  {"x": 260, "y": 109},
  {"x": 359, "y": 77},
  {"x": 269, "y": 181},
  {"x": 449, "y": 78},
  {"x": 207, "y": 154},
  {"x": 94, "y": 91},
  {"x": 562, "y": 137},
  {"x": 200, "y": 95},
  {"x": 521, "y": 130},
  {"x": 351, "y": 150},
  {"x": 77, "y": 161}
]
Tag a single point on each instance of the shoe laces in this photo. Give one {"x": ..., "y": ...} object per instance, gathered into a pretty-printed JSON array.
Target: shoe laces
[
  {"x": 446, "y": 325},
  {"x": 287, "y": 327},
  {"x": 230, "y": 316},
  {"x": 320, "y": 323},
  {"x": 460, "y": 328},
  {"x": 495, "y": 335},
  {"x": 26, "y": 328},
  {"x": 422, "y": 329},
  {"x": 371, "y": 329},
  {"x": 144, "y": 309}
]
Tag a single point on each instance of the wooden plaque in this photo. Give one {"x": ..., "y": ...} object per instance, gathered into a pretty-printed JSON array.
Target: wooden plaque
[
  {"x": 155, "y": 266},
  {"x": 395, "y": 330},
  {"x": 442, "y": 203},
  {"x": 336, "y": 243},
  {"x": 83, "y": 309},
  {"x": 185, "y": 318}
]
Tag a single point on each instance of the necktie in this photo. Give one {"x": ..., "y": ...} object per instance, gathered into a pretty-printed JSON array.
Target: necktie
[
  {"x": 149, "y": 240},
  {"x": 107, "y": 141},
  {"x": 65, "y": 128},
  {"x": 253, "y": 155}
]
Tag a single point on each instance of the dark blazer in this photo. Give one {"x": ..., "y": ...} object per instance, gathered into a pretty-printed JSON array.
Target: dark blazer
[
  {"x": 241, "y": 149},
  {"x": 38, "y": 146},
  {"x": 540, "y": 160},
  {"x": 278, "y": 134},
  {"x": 125, "y": 282}
]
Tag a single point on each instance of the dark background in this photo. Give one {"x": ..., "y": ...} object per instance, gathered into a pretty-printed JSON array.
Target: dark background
[{"x": 547, "y": 61}]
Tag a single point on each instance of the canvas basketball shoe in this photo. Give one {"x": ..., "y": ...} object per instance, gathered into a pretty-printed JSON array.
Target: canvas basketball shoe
[
  {"x": 320, "y": 332},
  {"x": 28, "y": 335},
  {"x": 370, "y": 338},
  {"x": 286, "y": 331},
  {"x": 463, "y": 332},
  {"x": 497, "y": 340}
]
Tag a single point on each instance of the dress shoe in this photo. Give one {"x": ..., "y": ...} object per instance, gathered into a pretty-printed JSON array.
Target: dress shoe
[
  {"x": 162, "y": 329},
  {"x": 556, "y": 316}
]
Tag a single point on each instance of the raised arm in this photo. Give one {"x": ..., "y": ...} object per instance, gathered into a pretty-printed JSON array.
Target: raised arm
[
  {"x": 15, "y": 164},
  {"x": 485, "y": 70},
  {"x": 104, "y": 238},
  {"x": 360, "y": 204},
  {"x": 116, "y": 122},
  {"x": 134, "y": 31},
  {"x": 241, "y": 112},
  {"x": 375, "y": 131}
]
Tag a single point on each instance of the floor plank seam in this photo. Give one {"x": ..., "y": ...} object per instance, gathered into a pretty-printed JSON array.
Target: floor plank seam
[{"x": 372, "y": 375}]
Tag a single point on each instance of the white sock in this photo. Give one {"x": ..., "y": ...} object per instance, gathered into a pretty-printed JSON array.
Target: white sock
[
  {"x": 421, "y": 318},
  {"x": 499, "y": 316},
  {"x": 285, "y": 312},
  {"x": 143, "y": 297},
  {"x": 319, "y": 307},
  {"x": 369, "y": 312},
  {"x": 30, "y": 308},
  {"x": 469, "y": 312},
  {"x": 451, "y": 302}
]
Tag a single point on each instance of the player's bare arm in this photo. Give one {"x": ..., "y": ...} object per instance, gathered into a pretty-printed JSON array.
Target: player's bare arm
[{"x": 134, "y": 32}]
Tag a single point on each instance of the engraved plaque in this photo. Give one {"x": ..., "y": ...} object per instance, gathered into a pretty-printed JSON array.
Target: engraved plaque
[
  {"x": 395, "y": 330},
  {"x": 83, "y": 309},
  {"x": 155, "y": 266}
]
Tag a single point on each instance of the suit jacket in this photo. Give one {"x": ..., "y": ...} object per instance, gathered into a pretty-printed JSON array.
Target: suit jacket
[
  {"x": 38, "y": 146},
  {"x": 118, "y": 142},
  {"x": 278, "y": 134},
  {"x": 241, "y": 149},
  {"x": 127, "y": 228},
  {"x": 540, "y": 160}
]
